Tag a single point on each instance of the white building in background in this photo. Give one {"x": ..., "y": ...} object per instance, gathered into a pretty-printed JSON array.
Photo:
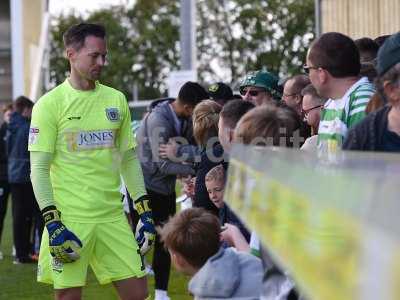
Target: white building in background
[
  {"x": 5, "y": 52},
  {"x": 358, "y": 18},
  {"x": 23, "y": 39}
]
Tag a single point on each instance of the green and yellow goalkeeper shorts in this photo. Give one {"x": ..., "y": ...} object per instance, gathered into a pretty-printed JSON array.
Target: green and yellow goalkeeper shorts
[{"x": 110, "y": 249}]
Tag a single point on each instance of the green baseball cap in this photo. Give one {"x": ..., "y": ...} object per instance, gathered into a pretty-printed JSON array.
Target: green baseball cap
[{"x": 263, "y": 79}]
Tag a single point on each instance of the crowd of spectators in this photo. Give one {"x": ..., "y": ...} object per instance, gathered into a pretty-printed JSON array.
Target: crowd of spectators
[{"x": 322, "y": 111}]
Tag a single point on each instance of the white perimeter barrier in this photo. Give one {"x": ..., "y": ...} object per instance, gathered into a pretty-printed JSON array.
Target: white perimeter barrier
[{"x": 332, "y": 222}]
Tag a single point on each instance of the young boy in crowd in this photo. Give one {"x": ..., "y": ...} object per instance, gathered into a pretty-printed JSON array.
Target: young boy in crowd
[
  {"x": 192, "y": 238},
  {"x": 215, "y": 183}
]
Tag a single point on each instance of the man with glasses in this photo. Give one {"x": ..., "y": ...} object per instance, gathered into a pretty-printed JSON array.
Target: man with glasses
[
  {"x": 292, "y": 92},
  {"x": 260, "y": 87},
  {"x": 312, "y": 105},
  {"x": 333, "y": 65}
]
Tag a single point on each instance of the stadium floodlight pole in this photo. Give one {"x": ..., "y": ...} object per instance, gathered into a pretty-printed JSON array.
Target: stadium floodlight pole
[
  {"x": 17, "y": 48},
  {"x": 318, "y": 17},
  {"x": 188, "y": 34}
]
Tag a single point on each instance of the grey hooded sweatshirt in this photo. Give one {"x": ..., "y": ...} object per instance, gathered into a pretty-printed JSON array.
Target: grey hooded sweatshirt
[
  {"x": 157, "y": 128},
  {"x": 228, "y": 274}
]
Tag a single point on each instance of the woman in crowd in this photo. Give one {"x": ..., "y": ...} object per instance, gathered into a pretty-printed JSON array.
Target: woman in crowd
[{"x": 205, "y": 131}]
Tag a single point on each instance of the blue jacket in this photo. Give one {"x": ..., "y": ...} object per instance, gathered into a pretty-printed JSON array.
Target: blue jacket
[{"x": 17, "y": 149}]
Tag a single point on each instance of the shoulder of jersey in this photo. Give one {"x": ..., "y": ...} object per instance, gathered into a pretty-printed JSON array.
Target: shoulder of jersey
[
  {"x": 107, "y": 88},
  {"x": 50, "y": 95}
]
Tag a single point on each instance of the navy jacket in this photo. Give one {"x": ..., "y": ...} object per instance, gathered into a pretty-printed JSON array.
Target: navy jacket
[
  {"x": 367, "y": 135},
  {"x": 3, "y": 153},
  {"x": 17, "y": 149},
  {"x": 209, "y": 159},
  {"x": 226, "y": 215}
]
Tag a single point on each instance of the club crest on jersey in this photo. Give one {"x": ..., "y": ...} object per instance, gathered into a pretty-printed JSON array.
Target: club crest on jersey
[{"x": 112, "y": 114}]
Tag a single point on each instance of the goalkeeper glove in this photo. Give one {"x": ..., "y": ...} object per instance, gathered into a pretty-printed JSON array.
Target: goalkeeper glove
[
  {"x": 63, "y": 244},
  {"x": 145, "y": 231}
]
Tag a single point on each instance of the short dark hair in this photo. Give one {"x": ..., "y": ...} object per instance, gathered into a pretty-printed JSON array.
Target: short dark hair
[
  {"x": 192, "y": 93},
  {"x": 310, "y": 90},
  {"x": 336, "y": 53},
  {"x": 194, "y": 234},
  {"x": 21, "y": 103},
  {"x": 75, "y": 36},
  {"x": 367, "y": 48},
  {"x": 368, "y": 69},
  {"x": 234, "y": 110},
  {"x": 300, "y": 81}
]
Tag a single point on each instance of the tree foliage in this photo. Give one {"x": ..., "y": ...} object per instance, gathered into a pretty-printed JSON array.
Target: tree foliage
[
  {"x": 243, "y": 35},
  {"x": 233, "y": 37},
  {"x": 155, "y": 25}
]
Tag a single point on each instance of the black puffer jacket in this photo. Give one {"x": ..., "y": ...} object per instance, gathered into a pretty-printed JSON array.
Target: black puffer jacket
[{"x": 367, "y": 135}]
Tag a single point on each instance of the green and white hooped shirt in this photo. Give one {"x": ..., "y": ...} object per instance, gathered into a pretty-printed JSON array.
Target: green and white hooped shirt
[{"x": 339, "y": 115}]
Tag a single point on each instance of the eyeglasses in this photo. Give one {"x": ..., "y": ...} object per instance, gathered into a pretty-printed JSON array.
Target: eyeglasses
[
  {"x": 253, "y": 93},
  {"x": 305, "y": 112},
  {"x": 307, "y": 69},
  {"x": 289, "y": 95}
]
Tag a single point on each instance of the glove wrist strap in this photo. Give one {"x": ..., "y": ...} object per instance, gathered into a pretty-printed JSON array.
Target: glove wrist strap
[
  {"x": 142, "y": 205},
  {"x": 50, "y": 215}
]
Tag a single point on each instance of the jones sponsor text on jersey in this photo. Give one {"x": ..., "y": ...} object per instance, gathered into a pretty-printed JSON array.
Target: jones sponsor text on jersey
[{"x": 88, "y": 140}]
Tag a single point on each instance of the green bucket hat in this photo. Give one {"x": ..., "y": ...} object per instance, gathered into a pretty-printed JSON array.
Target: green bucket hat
[{"x": 265, "y": 80}]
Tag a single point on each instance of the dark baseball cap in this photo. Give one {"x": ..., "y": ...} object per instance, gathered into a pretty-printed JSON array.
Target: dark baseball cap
[{"x": 220, "y": 91}]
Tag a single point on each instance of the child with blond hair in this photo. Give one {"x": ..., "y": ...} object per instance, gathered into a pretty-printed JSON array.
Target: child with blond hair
[{"x": 215, "y": 183}]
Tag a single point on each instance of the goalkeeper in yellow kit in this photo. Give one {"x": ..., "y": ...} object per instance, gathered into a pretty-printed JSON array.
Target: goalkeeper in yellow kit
[{"x": 80, "y": 142}]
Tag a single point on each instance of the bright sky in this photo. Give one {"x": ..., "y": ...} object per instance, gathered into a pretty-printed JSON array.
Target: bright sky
[{"x": 82, "y": 6}]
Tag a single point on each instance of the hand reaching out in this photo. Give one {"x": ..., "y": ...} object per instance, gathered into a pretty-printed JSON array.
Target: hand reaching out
[
  {"x": 189, "y": 185},
  {"x": 233, "y": 237},
  {"x": 169, "y": 150}
]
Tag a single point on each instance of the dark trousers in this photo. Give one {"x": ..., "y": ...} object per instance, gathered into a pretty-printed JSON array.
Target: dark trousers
[
  {"x": 163, "y": 207},
  {"x": 4, "y": 192},
  {"x": 24, "y": 210}
]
